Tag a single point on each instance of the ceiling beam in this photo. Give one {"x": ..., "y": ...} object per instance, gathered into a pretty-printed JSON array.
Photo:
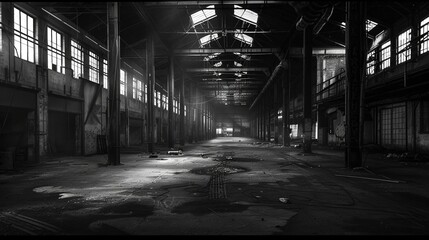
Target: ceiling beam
[
  {"x": 295, "y": 51},
  {"x": 220, "y": 2},
  {"x": 246, "y": 69},
  {"x": 227, "y": 31}
]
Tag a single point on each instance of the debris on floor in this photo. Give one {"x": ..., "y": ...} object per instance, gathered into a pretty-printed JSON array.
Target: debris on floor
[
  {"x": 153, "y": 155},
  {"x": 284, "y": 200},
  {"x": 174, "y": 152}
]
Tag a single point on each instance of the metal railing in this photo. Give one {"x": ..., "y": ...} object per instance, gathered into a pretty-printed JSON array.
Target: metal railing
[{"x": 332, "y": 87}]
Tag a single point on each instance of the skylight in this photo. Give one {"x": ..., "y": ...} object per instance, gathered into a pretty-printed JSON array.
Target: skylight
[
  {"x": 208, "y": 38},
  {"x": 203, "y": 15},
  {"x": 246, "y": 15},
  {"x": 239, "y": 35},
  {"x": 243, "y": 56},
  {"x": 237, "y": 64},
  {"x": 369, "y": 25},
  {"x": 218, "y": 64},
  {"x": 209, "y": 57}
]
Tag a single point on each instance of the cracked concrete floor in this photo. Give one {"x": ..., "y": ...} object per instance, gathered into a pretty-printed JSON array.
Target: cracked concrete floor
[{"x": 225, "y": 186}]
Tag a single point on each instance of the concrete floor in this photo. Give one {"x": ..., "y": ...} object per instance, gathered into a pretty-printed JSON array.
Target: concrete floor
[{"x": 225, "y": 186}]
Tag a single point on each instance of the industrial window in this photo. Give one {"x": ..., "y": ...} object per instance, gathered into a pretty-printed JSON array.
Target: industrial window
[
  {"x": 403, "y": 49},
  {"x": 93, "y": 67},
  {"x": 208, "y": 38},
  {"x": 195, "y": 114},
  {"x": 76, "y": 59},
  {"x": 145, "y": 93},
  {"x": 280, "y": 114},
  {"x": 393, "y": 126},
  {"x": 385, "y": 55},
  {"x": 137, "y": 89},
  {"x": 218, "y": 131},
  {"x": 56, "y": 54},
  {"x": 24, "y": 36},
  {"x": 105, "y": 74},
  {"x": 424, "y": 117},
  {"x": 123, "y": 82},
  {"x": 246, "y": 15},
  {"x": 158, "y": 99},
  {"x": 164, "y": 102},
  {"x": 294, "y": 130},
  {"x": 203, "y": 15},
  {"x": 370, "y": 63},
  {"x": 424, "y": 34},
  {"x": 184, "y": 110},
  {"x": 174, "y": 106},
  {"x": 239, "y": 35}
]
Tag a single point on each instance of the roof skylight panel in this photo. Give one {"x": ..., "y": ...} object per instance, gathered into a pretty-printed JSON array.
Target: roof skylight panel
[
  {"x": 218, "y": 64},
  {"x": 209, "y": 57},
  {"x": 243, "y": 56},
  {"x": 203, "y": 15},
  {"x": 239, "y": 35},
  {"x": 237, "y": 64},
  {"x": 370, "y": 25},
  {"x": 246, "y": 15},
  {"x": 208, "y": 38}
]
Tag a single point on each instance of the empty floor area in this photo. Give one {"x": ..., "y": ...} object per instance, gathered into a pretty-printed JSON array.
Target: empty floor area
[{"x": 223, "y": 186}]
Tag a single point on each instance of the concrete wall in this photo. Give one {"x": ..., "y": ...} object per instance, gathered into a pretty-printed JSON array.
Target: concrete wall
[{"x": 88, "y": 102}]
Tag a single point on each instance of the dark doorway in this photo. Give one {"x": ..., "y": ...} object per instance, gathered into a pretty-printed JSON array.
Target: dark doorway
[{"x": 61, "y": 133}]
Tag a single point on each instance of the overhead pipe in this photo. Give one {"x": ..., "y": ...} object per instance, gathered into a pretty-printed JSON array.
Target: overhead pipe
[
  {"x": 279, "y": 68},
  {"x": 311, "y": 13},
  {"x": 314, "y": 13}
]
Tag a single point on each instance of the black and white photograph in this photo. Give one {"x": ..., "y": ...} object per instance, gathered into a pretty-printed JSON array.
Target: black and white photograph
[{"x": 214, "y": 118}]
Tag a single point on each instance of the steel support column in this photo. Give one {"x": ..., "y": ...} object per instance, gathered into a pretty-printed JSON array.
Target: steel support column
[
  {"x": 182, "y": 111},
  {"x": 113, "y": 73},
  {"x": 276, "y": 110},
  {"x": 150, "y": 76},
  {"x": 171, "y": 117},
  {"x": 307, "y": 121},
  {"x": 285, "y": 111},
  {"x": 355, "y": 65},
  {"x": 270, "y": 106}
]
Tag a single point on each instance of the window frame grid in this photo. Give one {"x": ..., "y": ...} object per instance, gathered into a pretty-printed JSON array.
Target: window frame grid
[
  {"x": 55, "y": 52},
  {"x": 76, "y": 63},
  {"x": 93, "y": 65},
  {"x": 105, "y": 74},
  {"x": 403, "y": 50},
  {"x": 122, "y": 82},
  {"x": 385, "y": 52},
  {"x": 24, "y": 40}
]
